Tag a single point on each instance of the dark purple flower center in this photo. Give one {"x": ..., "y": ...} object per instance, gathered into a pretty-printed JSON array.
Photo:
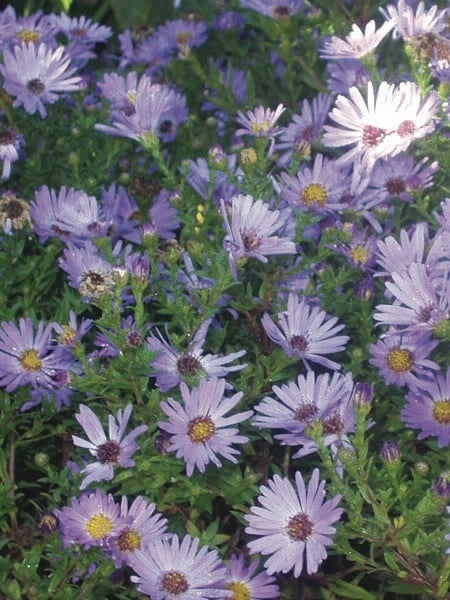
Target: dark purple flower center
[
  {"x": 425, "y": 313},
  {"x": 108, "y": 452},
  {"x": 7, "y": 137},
  {"x": 333, "y": 424},
  {"x": 174, "y": 582},
  {"x": 299, "y": 342},
  {"x": 35, "y": 86},
  {"x": 441, "y": 411},
  {"x": 188, "y": 365},
  {"x": 166, "y": 127},
  {"x": 308, "y": 133},
  {"x": 306, "y": 412},
  {"x": 406, "y": 128},
  {"x": 372, "y": 136},
  {"x": 96, "y": 283},
  {"x": 200, "y": 429},
  {"x": 78, "y": 32},
  {"x": 128, "y": 541},
  {"x": 12, "y": 209},
  {"x": 281, "y": 12},
  {"x": 58, "y": 231},
  {"x": 395, "y": 186},
  {"x": 250, "y": 240},
  {"x": 95, "y": 227},
  {"x": 134, "y": 339},
  {"x": 300, "y": 527}
]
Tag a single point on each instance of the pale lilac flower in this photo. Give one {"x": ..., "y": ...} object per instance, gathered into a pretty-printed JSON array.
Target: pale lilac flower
[
  {"x": 199, "y": 429},
  {"x": 250, "y": 234},
  {"x": 88, "y": 272},
  {"x": 90, "y": 520},
  {"x": 293, "y": 525},
  {"x": 306, "y": 332},
  {"x": 260, "y": 122},
  {"x": 69, "y": 335},
  {"x": 242, "y": 582},
  {"x": 172, "y": 366},
  {"x": 170, "y": 570},
  {"x": 428, "y": 409},
  {"x": 444, "y": 218},
  {"x": 345, "y": 74},
  {"x": 110, "y": 452},
  {"x": 408, "y": 24},
  {"x": 276, "y": 9},
  {"x": 83, "y": 34},
  {"x": 357, "y": 43},
  {"x": 34, "y": 28},
  {"x": 35, "y": 75},
  {"x": 11, "y": 144},
  {"x": 183, "y": 35}
]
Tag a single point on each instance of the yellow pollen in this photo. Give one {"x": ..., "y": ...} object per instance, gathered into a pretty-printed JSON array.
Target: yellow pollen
[
  {"x": 184, "y": 37},
  {"x": 239, "y": 589},
  {"x": 28, "y": 36},
  {"x": 259, "y": 128},
  {"x": 99, "y": 526},
  {"x": 441, "y": 411},
  {"x": 200, "y": 429},
  {"x": 248, "y": 156},
  {"x": 314, "y": 193},
  {"x": 400, "y": 360},
  {"x": 131, "y": 95},
  {"x": 30, "y": 360},
  {"x": 359, "y": 254},
  {"x": 129, "y": 541},
  {"x": 67, "y": 336}
]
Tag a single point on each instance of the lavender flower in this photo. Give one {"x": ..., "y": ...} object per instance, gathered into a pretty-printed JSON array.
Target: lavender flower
[
  {"x": 242, "y": 582},
  {"x": 345, "y": 74},
  {"x": 276, "y": 9},
  {"x": 112, "y": 452},
  {"x": 305, "y": 332},
  {"x": 409, "y": 24},
  {"x": 200, "y": 430},
  {"x": 260, "y": 122},
  {"x": 357, "y": 44},
  {"x": 251, "y": 231},
  {"x": 168, "y": 570},
  {"x": 11, "y": 144},
  {"x": 91, "y": 520},
  {"x": 183, "y": 35},
  {"x": 428, "y": 409},
  {"x": 293, "y": 525},
  {"x": 36, "y": 74},
  {"x": 173, "y": 366}
]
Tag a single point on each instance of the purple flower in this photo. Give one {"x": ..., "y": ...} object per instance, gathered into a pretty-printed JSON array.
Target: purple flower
[
  {"x": 173, "y": 366},
  {"x": 293, "y": 525},
  {"x": 390, "y": 452},
  {"x": 345, "y": 74},
  {"x": 213, "y": 183},
  {"x": 163, "y": 217},
  {"x": 200, "y": 430},
  {"x": 11, "y": 144},
  {"x": 83, "y": 34},
  {"x": 27, "y": 357},
  {"x": 276, "y": 9},
  {"x": 260, "y": 122},
  {"x": 33, "y": 28},
  {"x": 36, "y": 74},
  {"x": 409, "y": 24},
  {"x": 357, "y": 43},
  {"x": 69, "y": 335},
  {"x": 428, "y": 409},
  {"x": 305, "y": 332},
  {"x": 144, "y": 527},
  {"x": 360, "y": 251},
  {"x": 242, "y": 582},
  {"x": 170, "y": 569},
  {"x": 91, "y": 520},
  {"x": 402, "y": 359},
  {"x": 251, "y": 231},
  {"x": 183, "y": 35}
]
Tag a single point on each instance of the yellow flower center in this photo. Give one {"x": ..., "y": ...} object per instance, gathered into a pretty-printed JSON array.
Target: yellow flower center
[
  {"x": 28, "y": 36},
  {"x": 174, "y": 583},
  {"x": 129, "y": 541},
  {"x": 400, "y": 360},
  {"x": 201, "y": 429},
  {"x": 262, "y": 127},
  {"x": 314, "y": 193},
  {"x": 67, "y": 336},
  {"x": 359, "y": 254},
  {"x": 98, "y": 526},
  {"x": 131, "y": 96},
  {"x": 184, "y": 37},
  {"x": 30, "y": 360},
  {"x": 239, "y": 589},
  {"x": 441, "y": 411}
]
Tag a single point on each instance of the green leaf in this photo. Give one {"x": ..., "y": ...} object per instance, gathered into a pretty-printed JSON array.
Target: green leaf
[
  {"x": 131, "y": 14},
  {"x": 348, "y": 590}
]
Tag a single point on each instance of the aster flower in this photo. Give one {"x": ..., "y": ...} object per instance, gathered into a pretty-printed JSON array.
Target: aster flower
[
  {"x": 251, "y": 231},
  {"x": 428, "y": 409},
  {"x": 173, "y": 366},
  {"x": 409, "y": 24},
  {"x": 357, "y": 43},
  {"x": 121, "y": 92},
  {"x": 145, "y": 525},
  {"x": 155, "y": 52},
  {"x": 318, "y": 188},
  {"x": 174, "y": 569},
  {"x": 260, "y": 122},
  {"x": 69, "y": 335},
  {"x": 402, "y": 359},
  {"x": 35, "y": 74},
  {"x": 33, "y": 28},
  {"x": 110, "y": 452},
  {"x": 11, "y": 143},
  {"x": 14, "y": 212},
  {"x": 294, "y": 525},
  {"x": 242, "y": 582},
  {"x": 345, "y": 74},
  {"x": 306, "y": 332},
  {"x": 276, "y": 9},
  {"x": 183, "y": 35},
  {"x": 163, "y": 217},
  {"x": 91, "y": 520},
  {"x": 82, "y": 30},
  {"x": 27, "y": 357},
  {"x": 214, "y": 183},
  {"x": 200, "y": 430},
  {"x": 360, "y": 251}
]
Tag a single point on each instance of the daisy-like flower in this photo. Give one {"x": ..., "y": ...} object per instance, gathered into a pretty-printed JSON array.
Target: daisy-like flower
[
  {"x": 14, "y": 212},
  {"x": 318, "y": 188},
  {"x": 90, "y": 520},
  {"x": 402, "y": 359},
  {"x": 183, "y": 35},
  {"x": 174, "y": 569},
  {"x": 345, "y": 74},
  {"x": 200, "y": 430},
  {"x": 36, "y": 74},
  {"x": 242, "y": 582},
  {"x": 173, "y": 366},
  {"x": 260, "y": 122},
  {"x": 357, "y": 43},
  {"x": 294, "y": 525},
  {"x": 145, "y": 525},
  {"x": 276, "y": 9},
  {"x": 428, "y": 409},
  {"x": 26, "y": 357},
  {"x": 82, "y": 29},
  {"x": 11, "y": 144},
  {"x": 110, "y": 452},
  {"x": 409, "y": 24},
  {"x": 306, "y": 332},
  {"x": 251, "y": 231}
]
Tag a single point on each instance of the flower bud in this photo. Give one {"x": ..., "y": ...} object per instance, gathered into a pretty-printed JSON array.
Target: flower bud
[{"x": 390, "y": 452}]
